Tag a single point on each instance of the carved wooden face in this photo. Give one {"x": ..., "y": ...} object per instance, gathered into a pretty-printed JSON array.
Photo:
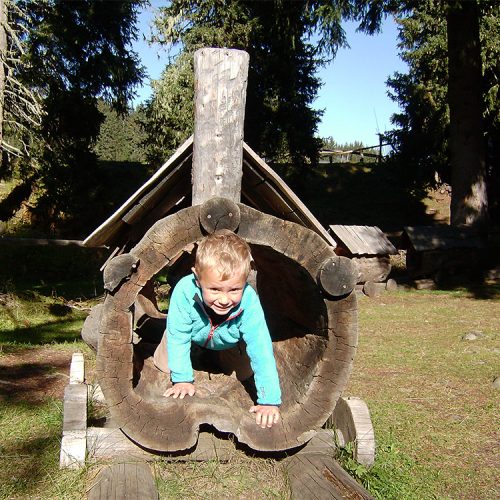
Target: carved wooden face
[{"x": 218, "y": 294}]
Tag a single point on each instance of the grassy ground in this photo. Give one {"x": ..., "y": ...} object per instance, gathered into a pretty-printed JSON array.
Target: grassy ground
[{"x": 429, "y": 392}]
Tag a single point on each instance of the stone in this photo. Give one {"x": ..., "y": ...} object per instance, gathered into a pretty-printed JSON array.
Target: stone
[{"x": 472, "y": 336}]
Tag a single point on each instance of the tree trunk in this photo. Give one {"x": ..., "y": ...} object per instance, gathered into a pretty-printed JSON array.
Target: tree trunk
[
  {"x": 469, "y": 202},
  {"x": 3, "y": 54},
  {"x": 220, "y": 94},
  {"x": 311, "y": 312}
]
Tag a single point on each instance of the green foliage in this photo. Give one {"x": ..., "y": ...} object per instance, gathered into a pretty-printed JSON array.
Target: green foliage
[
  {"x": 421, "y": 139},
  {"x": 121, "y": 136},
  {"x": 170, "y": 113},
  {"x": 280, "y": 122},
  {"x": 77, "y": 52}
]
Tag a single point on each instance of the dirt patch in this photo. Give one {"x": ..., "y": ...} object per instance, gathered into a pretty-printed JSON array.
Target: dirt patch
[{"x": 33, "y": 375}]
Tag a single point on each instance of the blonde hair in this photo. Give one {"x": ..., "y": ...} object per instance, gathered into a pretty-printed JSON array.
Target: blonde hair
[{"x": 225, "y": 252}]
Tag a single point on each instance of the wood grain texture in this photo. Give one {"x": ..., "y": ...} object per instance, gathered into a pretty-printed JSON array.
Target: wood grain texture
[
  {"x": 314, "y": 335},
  {"x": 131, "y": 481},
  {"x": 318, "y": 476},
  {"x": 338, "y": 276},
  {"x": 363, "y": 240},
  {"x": 375, "y": 268},
  {"x": 220, "y": 94},
  {"x": 219, "y": 213}
]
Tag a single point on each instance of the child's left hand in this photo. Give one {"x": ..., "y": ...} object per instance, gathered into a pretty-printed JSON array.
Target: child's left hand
[{"x": 266, "y": 415}]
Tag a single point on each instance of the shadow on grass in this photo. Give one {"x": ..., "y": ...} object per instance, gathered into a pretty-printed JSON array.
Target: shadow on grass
[
  {"x": 33, "y": 382},
  {"x": 29, "y": 454},
  {"x": 49, "y": 332},
  {"x": 478, "y": 291},
  {"x": 362, "y": 194}
]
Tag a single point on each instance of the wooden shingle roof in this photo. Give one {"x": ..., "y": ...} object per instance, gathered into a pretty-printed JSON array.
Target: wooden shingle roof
[
  {"x": 169, "y": 190},
  {"x": 423, "y": 238},
  {"x": 362, "y": 240}
]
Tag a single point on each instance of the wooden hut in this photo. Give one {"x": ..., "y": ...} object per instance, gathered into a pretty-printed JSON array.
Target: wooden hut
[
  {"x": 441, "y": 252},
  {"x": 305, "y": 288},
  {"x": 368, "y": 247}
]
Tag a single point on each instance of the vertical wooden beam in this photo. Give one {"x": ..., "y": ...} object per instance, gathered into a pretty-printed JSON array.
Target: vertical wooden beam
[
  {"x": 74, "y": 438},
  {"x": 3, "y": 56},
  {"x": 220, "y": 95}
]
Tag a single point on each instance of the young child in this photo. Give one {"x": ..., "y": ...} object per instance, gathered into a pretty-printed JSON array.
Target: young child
[{"x": 216, "y": 308}]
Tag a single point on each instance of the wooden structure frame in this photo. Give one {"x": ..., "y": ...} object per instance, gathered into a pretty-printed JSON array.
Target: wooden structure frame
[{"x": 306, "y": 290}]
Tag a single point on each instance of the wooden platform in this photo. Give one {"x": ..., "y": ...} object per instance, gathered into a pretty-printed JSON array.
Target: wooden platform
[
  {"x": 317, "y": 476},
  {"x": 131, "y": 481},
  {"x": 312, "y": 469},
  {"x": 314, "y": 474}
]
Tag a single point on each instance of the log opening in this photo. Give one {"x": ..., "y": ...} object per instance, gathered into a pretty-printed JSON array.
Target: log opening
[{"x": 314, "y": 338}]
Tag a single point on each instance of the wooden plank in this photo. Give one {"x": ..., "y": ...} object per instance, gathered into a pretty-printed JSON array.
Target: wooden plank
[
  {"x": 109, "y": 443},
  {"x": 73, "y": 450},
  {"x": 111, "y": 226},
  {"x": 308, "y": 219},
  {"x": 352, "y": 419},
  {"x": 262, "y": 195},
  {"x": 77, "y": 369},
  {"x": 28, "y": 242},
  {"x": 75, "y": 407},
  {"x": 165, "y": 193},
  {"x": 220, "y": 94},
  {"x": 131, "y": 481},
  {"x": 318, "y": 476},
  {"x": 363, "y": 240}
]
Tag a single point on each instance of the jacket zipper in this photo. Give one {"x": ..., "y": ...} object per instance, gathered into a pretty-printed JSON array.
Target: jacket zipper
[{"x": 214, "y": 327}]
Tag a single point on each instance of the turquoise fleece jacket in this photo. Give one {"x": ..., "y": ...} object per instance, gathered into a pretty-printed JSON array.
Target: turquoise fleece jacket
[{"x": 187, "y": 321}]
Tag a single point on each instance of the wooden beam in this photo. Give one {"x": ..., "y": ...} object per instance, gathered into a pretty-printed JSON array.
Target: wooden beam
[
  {"x": 74, "y": 442},
  {"x": 220, "y": 95},
  {"x": 133, "y": 481}
]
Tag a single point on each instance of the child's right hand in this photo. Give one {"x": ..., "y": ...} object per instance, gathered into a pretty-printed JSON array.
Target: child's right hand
[{"x": 180, "y": 390}]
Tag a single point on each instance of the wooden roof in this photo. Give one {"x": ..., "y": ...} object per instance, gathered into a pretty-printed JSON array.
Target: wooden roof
[
  {"x": 423, "y": 238},
  {"x": 363, "y": 240},
  {"x": 169, "y": 190}
]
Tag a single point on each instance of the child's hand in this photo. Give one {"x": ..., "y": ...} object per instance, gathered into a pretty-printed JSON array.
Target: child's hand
[
  {"x": 266, "y": 416},
  {"x": 180, "y": 390}
]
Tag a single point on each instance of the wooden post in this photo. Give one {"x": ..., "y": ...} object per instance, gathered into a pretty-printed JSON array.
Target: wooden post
[
  {"x": 3, "y": 55},
  {"x": 220, "y": 95}
]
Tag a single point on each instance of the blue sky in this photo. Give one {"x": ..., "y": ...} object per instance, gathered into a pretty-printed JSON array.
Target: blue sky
[{"x": 353, "y": 95}]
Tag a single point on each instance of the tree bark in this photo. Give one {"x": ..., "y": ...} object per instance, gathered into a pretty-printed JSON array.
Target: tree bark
[
  {"x": 3, "y": 53},
  {"x": 469, "y": 201},
  {"x": 220, "y": 95},
  {"x": 314, "y": 339}
]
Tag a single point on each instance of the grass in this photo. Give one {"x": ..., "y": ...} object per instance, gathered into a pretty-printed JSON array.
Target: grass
[
  {"x": 430, "y": 392},
  {"x": 239, "y": 477},
  {"x": 29, "y": 453}
]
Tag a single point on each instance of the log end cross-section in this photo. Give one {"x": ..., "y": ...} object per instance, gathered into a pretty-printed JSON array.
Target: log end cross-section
[{"x": 314, "y": 336}]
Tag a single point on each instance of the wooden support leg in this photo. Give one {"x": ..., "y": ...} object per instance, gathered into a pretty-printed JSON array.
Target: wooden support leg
[
  {"x": 74, "y": 438},
  {"x": 353, "y": 424}
]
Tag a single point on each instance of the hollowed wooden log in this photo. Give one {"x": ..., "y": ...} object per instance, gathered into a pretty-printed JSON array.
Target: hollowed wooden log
[{"x": 314, "y": 336}]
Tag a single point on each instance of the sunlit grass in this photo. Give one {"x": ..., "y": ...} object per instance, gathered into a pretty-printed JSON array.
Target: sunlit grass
[
  {"x": 430, "y": 392},
  {"x": 30, "y": 437},
  {"x": 238, "y": 477},
  {"x": 31, "y": 318}
]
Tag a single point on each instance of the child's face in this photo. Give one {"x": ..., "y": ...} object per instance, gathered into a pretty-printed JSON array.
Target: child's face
[{"x": 221, "y": 295}]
